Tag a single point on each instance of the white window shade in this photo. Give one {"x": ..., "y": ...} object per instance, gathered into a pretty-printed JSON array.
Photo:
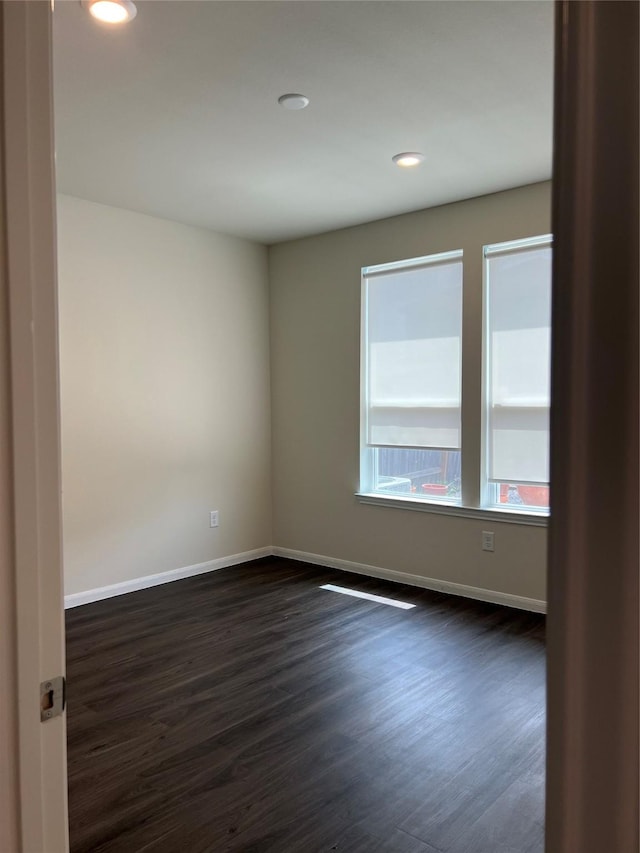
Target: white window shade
[
  {"x": 413, "y": 328},
  {"x": 518, "y": 327}
]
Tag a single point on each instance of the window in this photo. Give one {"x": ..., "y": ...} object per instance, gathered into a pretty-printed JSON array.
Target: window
[
  {"x": 517, "y": 364},
  {"x": 411, "y": 356},
  {"x": 411, "y": 428}
]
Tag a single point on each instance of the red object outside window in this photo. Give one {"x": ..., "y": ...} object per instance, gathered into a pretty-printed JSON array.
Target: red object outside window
[{"x": 434, "y": 489}]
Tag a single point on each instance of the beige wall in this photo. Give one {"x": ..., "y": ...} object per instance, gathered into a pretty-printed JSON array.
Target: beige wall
[
  {"x": 315, "y": 322},
  {"x": 165, "y": 394}
]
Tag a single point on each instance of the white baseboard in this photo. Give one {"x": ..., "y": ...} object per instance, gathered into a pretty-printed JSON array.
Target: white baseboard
[
  {"x": 478, "y": 593},
  {"x": 78, "y": 598}
]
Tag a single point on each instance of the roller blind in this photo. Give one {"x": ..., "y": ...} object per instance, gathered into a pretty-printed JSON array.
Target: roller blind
[
  {"x": 518, "y": 360},
  {"x": 412, "y": 350}
]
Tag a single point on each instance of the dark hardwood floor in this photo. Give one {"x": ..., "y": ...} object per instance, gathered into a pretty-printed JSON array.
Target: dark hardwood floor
[{"x": 249, "y": 710}]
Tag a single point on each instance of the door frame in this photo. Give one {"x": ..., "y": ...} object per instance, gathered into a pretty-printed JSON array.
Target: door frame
[
  {"x": 593, "y": 604},
  {"x": 29, "y": 279},
  {"x": 30, "y": 490}
]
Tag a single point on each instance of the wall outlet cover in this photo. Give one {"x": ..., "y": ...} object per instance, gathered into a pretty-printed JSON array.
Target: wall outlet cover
[{"x": 487, "y": 540}]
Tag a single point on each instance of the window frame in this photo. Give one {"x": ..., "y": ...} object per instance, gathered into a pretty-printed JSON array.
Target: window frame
[
  {"x": 368, "y": 475},
  {"x": 488, "y": 488},
  {"x": 486, "y": 508}
]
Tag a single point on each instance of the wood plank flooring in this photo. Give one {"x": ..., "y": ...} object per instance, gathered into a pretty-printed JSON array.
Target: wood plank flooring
[{"x": 249, "y": 710}]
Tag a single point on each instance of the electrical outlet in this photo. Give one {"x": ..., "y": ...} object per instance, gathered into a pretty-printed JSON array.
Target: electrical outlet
[
  {"x": 214, "y": 519},
  {"x": 487, "y": 540}
]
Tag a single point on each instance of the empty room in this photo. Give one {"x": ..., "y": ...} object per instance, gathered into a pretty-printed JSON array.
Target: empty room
[
  {"x": 304, "y": 300},
  {"x": 255, "y": 382}
]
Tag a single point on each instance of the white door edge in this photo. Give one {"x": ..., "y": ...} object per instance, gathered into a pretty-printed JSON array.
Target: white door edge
[{"x": 29, "y": 201}]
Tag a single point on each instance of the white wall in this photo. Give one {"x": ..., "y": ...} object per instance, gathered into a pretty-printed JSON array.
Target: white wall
[
  {"x": 165, "y": 394},
  {"x": 315, "y": 323}
]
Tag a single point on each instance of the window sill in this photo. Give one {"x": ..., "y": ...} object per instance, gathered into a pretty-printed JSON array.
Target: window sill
[{"x": 507, "y": 516}]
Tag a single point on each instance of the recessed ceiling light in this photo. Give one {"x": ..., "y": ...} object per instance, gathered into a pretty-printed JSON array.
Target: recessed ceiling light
[
  {"x": 408, "y": 159},
  {"x": 293, "y": 101},
  {"x": 111, "y": 11}
]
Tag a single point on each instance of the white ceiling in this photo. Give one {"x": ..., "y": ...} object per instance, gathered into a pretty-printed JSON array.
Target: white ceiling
[{"x": 176, "y": 114}]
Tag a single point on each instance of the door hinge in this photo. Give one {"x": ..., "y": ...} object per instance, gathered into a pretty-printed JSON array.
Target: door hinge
[{"x": 53, "y": 697}]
